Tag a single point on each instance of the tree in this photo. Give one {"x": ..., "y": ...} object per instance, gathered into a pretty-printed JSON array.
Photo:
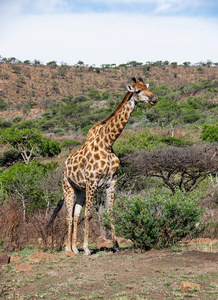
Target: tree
[
  {"x": 134, "y": 63},
  {"x": 27, "y": 62},
  {"x": 52, "y": 64},
  {"x": 179, "y": 168},
  {"x": 80, "y": 63},
  {"x": 187, "y": 63},
  {"x": 36, "y": 62},
  {"x": 174, "y": 64},
  {"x": 29, "y": 143},
  {"x": 25, "y": 183}
]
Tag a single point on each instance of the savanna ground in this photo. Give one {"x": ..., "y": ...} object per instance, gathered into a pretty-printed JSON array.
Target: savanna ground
[{"x": 130, "y": 274}]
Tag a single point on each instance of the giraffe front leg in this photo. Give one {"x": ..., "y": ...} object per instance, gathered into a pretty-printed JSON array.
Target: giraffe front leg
[
  {"x": 110, "y": 200},
  {"x": 90, "y": 192},
  {"x": 80, "y": 202}
]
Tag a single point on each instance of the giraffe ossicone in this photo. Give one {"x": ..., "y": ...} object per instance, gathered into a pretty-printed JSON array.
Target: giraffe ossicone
[{"x": 95, "y": 164}]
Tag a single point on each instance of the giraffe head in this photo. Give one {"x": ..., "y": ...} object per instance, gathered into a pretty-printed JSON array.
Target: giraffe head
[{"x": 141, "y": 93}]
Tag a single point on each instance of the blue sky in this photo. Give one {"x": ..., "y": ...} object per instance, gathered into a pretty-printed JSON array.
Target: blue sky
[{"x": 109, "y": 31}]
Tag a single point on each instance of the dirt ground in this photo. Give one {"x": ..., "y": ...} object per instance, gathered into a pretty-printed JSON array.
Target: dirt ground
[{"x": 155, "y": 274}]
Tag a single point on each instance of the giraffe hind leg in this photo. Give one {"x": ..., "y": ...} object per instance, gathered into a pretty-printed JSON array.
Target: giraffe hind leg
[
  {"x": 109, "y": 205},
  {"x": 90, "y": 192},
  {"x": 70, "y": 202}
]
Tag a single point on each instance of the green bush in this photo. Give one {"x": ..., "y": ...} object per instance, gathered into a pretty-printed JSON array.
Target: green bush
[
  {"x": 17, "y": 119},
  {"x": 136, "y": 141},
  {"x": 210, "y": 133},
  {"x": 10, "y": 157},
  {"x": 94, "y": 94},
  {"x": 166, "y": 111},
  {"x": 70, "y": 143},
  {"x": 59, "y": 130},
  {"x": 173, "y": 141},
  {"x": 26, "y": 124},
  {"x": 80, "y": 98},
  {"x": 190, "y": 117},
  {"x": 5, "y": 123},
  {"x": 157, "y": 219},
  {"x": 105, "y": 95},
  {"x": 3, "y": 104}
]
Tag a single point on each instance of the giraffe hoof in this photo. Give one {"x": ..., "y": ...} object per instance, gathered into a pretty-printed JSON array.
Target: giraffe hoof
[
  {"x": 75, "y": 251},
  {"x": 87, "y": 252}
]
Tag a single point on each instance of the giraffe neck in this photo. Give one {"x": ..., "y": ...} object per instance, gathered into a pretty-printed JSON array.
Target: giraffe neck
[{"x": 114, "y": 124}]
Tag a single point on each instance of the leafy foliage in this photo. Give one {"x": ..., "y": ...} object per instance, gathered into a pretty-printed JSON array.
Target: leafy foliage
[
  {"x": 136, "y": 141},
  {"x": 210, "y": 133},
  {"x": 157, "y": 219}
]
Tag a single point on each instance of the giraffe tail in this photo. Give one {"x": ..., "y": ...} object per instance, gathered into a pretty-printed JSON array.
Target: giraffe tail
[{"x": 55, "y": 213}]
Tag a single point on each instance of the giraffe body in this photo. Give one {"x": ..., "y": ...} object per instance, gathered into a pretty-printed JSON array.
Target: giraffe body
[{"x": 95, "y": 164}]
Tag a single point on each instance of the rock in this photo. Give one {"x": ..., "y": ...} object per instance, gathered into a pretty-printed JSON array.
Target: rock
[
  {"x": 24, "y": 267},
  {"x": 69, "y": 253},
  {"x": 187, "y": 286},
  {"x": 122, "y": 240},
  {"x": 16, "y": 259},
  {"x": 42, "y": 255},
  {"x": 4, "y": 259},
  {"x": 103, "y": 243},
  {"x": 205, "y": 241}
]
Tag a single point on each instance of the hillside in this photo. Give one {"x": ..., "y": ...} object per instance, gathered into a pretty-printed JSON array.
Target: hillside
[{"x": 33, "y": 86}]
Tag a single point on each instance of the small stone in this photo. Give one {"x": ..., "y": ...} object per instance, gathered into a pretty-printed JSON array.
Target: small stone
[
  {"x": 69, "y": 253},
  {"x": 187, "y": 286},
  {"x": 24, "y": 267},
  {"x": 4, "y": 259},
  {"x": 15, "y": 259}
]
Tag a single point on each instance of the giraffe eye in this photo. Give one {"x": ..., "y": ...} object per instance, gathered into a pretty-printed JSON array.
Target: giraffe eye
[{"x": 137, "y": 92}]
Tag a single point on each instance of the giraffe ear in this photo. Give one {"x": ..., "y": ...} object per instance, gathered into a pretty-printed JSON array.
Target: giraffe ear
[{"x": 130, "y": 88}]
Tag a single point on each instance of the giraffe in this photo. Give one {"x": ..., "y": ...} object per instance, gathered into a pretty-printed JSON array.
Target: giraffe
[{"x": 95, "y": 164}]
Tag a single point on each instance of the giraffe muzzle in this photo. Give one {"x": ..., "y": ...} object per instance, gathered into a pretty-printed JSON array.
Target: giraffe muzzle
[{"x": 153, "y": 101}]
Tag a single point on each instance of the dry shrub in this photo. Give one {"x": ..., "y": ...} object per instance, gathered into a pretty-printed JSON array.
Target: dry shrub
[
  {"x": 54, "y": 237},
  {"x": 16, "y": 234},
  {"x": 13, "y": 232}
]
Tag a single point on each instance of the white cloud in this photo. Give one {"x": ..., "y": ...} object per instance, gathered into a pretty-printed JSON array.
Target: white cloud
[{"x": 110, "y": 38}]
